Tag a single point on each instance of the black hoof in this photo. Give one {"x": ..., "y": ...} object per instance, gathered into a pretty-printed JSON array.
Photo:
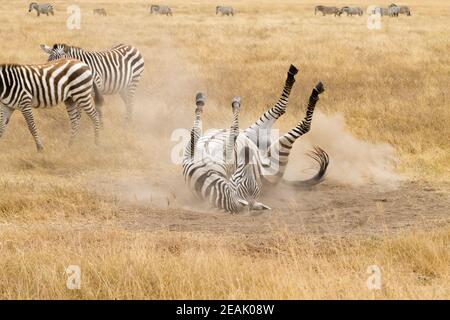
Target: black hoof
[
  {"x": 200, "y": 99},
  {"x": 236, "y": 102},
  {"x": 293, "y": 70},
  {"x": 319, "y": 88}
]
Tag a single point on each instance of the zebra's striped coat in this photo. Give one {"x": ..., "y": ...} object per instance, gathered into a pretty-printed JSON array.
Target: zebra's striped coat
[
  {"x": 44, "y": 8},
  {"x": 234, "y": 181},
  {"x": 23, "y": 87},
  {"x": 117, "y": 70},
  {"x": 225, "y": 11}
]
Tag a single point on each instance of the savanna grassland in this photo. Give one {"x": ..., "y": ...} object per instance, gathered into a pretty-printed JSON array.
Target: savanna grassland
[{"x": 122, "y": 213}]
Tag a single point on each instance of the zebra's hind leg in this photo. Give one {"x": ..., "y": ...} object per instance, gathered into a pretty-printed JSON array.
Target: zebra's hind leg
[
  {"x": 127, "y": 96},
  {"x": 28, "y": 115},
  {"x": 85, "y": 103},
  {"x": 196, "y": 131},
  {"x": 280, "y": 150},
  {"x": 74, "y": 117},
  {"x": 260, "y": 131},
  {"x": 5, "y": 115}
]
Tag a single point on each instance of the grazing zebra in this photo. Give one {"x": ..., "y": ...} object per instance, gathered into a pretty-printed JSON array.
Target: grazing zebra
[
  {"x": 161, "y": 9},
  {"x": 45, "y": 8},
  {"x": 225, "y": 10},
  {"x": 393, "y": 10},
  {"x": 229, "y": 168},
  {"x": 351, "y": 11},
  {"x": 100, "y": 12},
  {"x": 405, "y": 10},
  {"x": 24, "y": 87},
  {"x": 381, "y": 11},
  {"x": 326, "y": 10},
  {"x": 116, "y": 70}
]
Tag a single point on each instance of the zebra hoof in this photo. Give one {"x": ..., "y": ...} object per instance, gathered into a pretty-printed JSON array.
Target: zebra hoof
[
  {"x": 200, "y": 99},
  {"x": 292, "y": 70},
  {"x": 236, "y": 102},
  {"x": 319, "y": 88},
  {"x": 40, "y": 149}
]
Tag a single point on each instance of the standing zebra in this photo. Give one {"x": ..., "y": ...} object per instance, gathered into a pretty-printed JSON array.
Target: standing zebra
[
  {"x": 100, "y": 12},
  {"x": 161, "y": 9},
  {"x": 351, "y": 11},
  {"x": 116, "y": 70},
  {"x": 225, "y": 10},
  {"x": 393, "y": 10},
  {"x": 45, "y": 8},
  {"x": 24, "y": 87},
  {"x": 227, "y": 167},
  {"x": 405, "y": 10},
  {"x": 326, "y": 10}
]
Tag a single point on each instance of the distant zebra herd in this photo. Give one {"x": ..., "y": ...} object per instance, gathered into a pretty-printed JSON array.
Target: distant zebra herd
[
  {"x": 46, "y": 8},
  {"x": 392, "y": 10}
]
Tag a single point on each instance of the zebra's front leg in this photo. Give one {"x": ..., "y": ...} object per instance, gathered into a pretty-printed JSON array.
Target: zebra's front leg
[
  {"x": 279, "y": 151},
  {"x": 28, "y": 115}
]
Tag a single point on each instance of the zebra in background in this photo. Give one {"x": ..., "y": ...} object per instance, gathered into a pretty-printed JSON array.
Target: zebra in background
[
  {"x": 117, "y": 70},
  {"x": 225, "y": 11},
  {"x": 100, "y": 12},
  {"x": 326, "y": 10},
  {"x": 405, "y": 10},
  {"x": 393, "y": 10},
  {"x": 44, "y": 8},
  {"x": 351, "y": 11},
  {"x": 161, "y": 9},
  {"x": 23, "y": 87},
  {"x": 226, "y": 167},
  {"x": 381, "y": 11}
]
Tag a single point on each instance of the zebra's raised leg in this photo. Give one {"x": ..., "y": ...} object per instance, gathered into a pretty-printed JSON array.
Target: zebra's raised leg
[
  {"x": 260, "y": 131},
  {"x": 233, "y": 134},
  {"x": 85, "y": 103},
  {"x": 74, "y": 117},
  {"x": 28, "y": 115},
  {"x": 5, "y": 115},
  {"x": 279, "y": 151},
  {"x": 196, "y": 131}
]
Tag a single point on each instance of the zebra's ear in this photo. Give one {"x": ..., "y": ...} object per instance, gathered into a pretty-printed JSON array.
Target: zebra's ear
[
  {"x": 243, "y": 202},
  {"x": 260, "y": 206},
  {"x": 46, "y": 48}
]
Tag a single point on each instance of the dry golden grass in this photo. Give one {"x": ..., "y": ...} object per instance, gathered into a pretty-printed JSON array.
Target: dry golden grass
[{"x": 392, "y": 86}]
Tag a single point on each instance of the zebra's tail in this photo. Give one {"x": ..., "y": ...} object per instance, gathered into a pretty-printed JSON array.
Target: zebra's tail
[
  {"x": 98, "y": 97},
  {"x": 322, "y": 158}
]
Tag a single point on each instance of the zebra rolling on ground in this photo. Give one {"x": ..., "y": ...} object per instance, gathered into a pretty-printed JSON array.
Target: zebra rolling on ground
[
  {"x": 326, "y": 10},
  {"x": 229, "y": 168},
  {"x": 351, "y": 11},
  {"x": 117, "y": 70},
  {"x": 100, "y": 12},
  {"x": 161, "y": 9},
  {"x": 225, "y": 11},
  {"x": 44, "y": 8},
  {"x": 23, "y": 87}
]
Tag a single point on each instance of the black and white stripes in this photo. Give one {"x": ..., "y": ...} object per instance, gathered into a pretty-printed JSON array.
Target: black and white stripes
[
  {"x": 23, "y": 87},
  {"x": 117, "y": 70},
  {"x": 229, "y": 169}
]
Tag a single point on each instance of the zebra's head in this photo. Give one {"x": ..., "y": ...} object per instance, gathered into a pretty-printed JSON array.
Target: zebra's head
[
  {"x": 247, "y": 181},
  {"x": 58, "y": 51},
  {"x": 32, "y": 5}
]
